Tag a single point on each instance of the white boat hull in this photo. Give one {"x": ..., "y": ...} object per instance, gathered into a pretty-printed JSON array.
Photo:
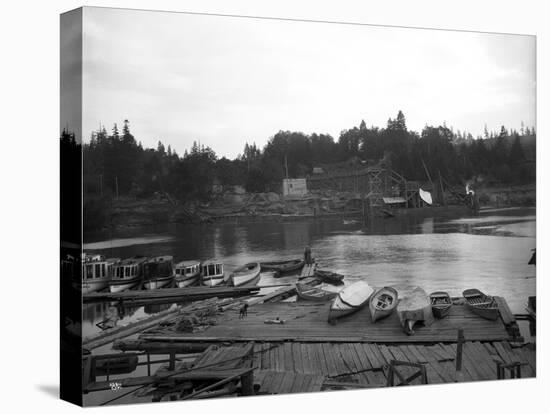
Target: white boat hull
[
  {"x": 157, "y": 283},
  {"x": 94, "y": 285},
  {"x": 122, "y": 286},
  {"x": 188, "y": 281},
  {"x": 213, "y": 281}
]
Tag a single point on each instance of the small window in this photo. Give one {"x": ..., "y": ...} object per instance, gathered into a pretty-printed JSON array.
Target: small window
[
  {"x": 97, "y": 270},
  {"x": 127, "y": 271},
  {"x": 89, "y": 272}
]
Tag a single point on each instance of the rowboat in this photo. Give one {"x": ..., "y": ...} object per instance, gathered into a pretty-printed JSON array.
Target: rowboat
[
  {"x": 187, "y": 273},
  {"x": 481, "y": 304},
  {"x": 247, "y": 275},
  {"x": 329, "y": 277},
  {"x": 283, "y": 267},
  {"x": 127, "y": 274},
  {"x": 158, "y": 272},
  {"x": 312, "y": 293},
  {"x": 349, "y": 300},
  {"x": 212, "y": 273},
  {"x": 414, "y": 307},
  {"x": 441, "y": 304},
  {"x": 382, "y": 303}
]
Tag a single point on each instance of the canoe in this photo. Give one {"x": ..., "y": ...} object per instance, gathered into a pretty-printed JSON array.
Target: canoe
[
  {"x": 329, "y": 277},
  {"x": 247, "y": 275},
  {"x": 349, "y": 300},
  {"x": 315, "y": 294},
  {"x": 382, "y": 303},
  {"x": 481, "y": 304},
  {"x": 283, "y": 267},
  {"x": 414, "y": 307},
  {"x": 441, "y": 304}
]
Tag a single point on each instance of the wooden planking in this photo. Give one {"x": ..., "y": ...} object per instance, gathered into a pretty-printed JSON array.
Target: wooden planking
[
  {"x": 505, "y": 312},
  {"x": 284, "y": 382},
  {"x": 307, "y": 322}
]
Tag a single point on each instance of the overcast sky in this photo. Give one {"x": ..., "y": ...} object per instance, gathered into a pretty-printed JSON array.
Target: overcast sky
[{"x": 226, "y": 81}]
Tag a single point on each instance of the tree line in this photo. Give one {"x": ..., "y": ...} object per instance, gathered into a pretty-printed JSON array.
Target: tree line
[{"x": 115, "y": 163}]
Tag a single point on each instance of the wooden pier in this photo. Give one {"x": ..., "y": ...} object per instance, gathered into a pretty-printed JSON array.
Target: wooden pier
[
  {"x": 245, "y": 356},
  {"x": 172, "y": 294},
  {"x": 307, "y": 322}
]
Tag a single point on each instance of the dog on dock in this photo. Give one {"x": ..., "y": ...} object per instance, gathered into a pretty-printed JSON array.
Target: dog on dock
[{"x": 243, "y": 312}]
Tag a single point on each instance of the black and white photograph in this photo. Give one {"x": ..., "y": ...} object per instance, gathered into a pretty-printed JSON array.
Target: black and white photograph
[{"x": 261, "y": 206}]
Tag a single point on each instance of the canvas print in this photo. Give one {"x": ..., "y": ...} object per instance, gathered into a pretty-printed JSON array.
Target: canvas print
[{"x": 255, "y": 206}]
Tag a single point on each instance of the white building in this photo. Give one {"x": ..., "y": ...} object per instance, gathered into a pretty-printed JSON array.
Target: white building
[{"x": 294, "y": 187}]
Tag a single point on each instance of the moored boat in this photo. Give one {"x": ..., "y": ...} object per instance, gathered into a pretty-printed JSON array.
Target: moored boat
[
  {"x": 212, "y": 273},
  {"x": 312, "y": 293},
  {"x": 382, "y": 303},
  {"x": 247, "y": 275},
  {"x": 481, "y": 304},
  {"x": 329, "y": 277},
  {"x": 441, "y": 304},
  {"x": 187, "y": 273},
  {"x": 97, "y": 271},
  {"x": 283, "y": 267},
  {"x": 414, "y": 307},
  {"x": 127, "y": 274},
  {"x": 349, "y": 300},
  {"x": 157, "y": 272}
]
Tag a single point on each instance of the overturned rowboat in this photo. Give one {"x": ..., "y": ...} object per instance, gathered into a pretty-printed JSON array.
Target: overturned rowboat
[
  {"x": 382, "y": 303},
  {"x": 481, "y": 304},
  {"x": 441, "y": 304},
  {"x": 415, "y": 307},
  {"x": 314, "y": 294},
  {"x": 349, "y": 300}
]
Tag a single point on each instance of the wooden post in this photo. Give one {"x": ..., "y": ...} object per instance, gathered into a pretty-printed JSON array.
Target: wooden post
[
  {"x": 442, "y": 190},
  {"x": 247, "y": 383},
  {"x": 172, "y": 365},
  {"x": 459, "y": 345}
]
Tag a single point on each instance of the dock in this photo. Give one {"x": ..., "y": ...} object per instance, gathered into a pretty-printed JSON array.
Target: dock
[
  {"x": 172, "y": 294},
  {"x": 307, "y": 322},
  {"x": 245, "y": 356}
]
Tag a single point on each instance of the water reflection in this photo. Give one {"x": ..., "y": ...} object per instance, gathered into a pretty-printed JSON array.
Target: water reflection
[{"x": 442, "y": 252}]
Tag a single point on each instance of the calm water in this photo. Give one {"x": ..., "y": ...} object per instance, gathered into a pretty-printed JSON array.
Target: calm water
[{"x": 488, "y": 251}]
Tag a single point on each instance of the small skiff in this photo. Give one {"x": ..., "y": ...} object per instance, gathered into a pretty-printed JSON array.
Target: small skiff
[
  {"x": 481, "y": 304},
  {"x": 414, "y": 307},
  {"x": 247, "y": 275},
  {"x": 283, "y": 267},
  {"x": 441, "y": 304},
  {"x": 329, "y": 277},
  {"x": 349, "y": 300},
  {"x": 382, "y": 303},
  {"x": 312, "y": 293}
]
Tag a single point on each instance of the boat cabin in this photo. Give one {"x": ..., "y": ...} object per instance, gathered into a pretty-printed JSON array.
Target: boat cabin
[
  {"x": 99, "y": 269},
  {"x": 129, "y": 268},
  {"x": 212, "y": 268},
  {"x": 92, "y": 257},
  {"x": 187, "y": 268},
  {"x": 160, "y": 266}
]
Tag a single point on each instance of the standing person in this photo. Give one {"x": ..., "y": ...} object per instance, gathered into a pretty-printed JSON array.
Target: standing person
[{"x": 307, "y": 256}]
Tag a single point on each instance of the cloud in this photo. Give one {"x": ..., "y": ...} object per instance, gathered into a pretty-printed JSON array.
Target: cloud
[{"x": 225, "y": 81}]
